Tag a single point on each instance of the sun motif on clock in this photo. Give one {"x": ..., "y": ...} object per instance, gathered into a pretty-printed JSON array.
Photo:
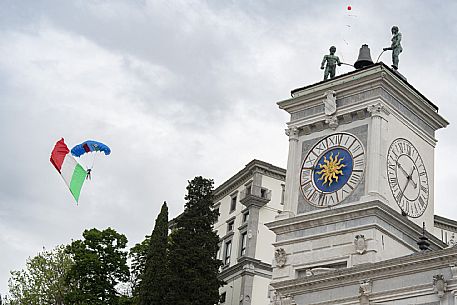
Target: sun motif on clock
[{"x": 332, "y": 169}]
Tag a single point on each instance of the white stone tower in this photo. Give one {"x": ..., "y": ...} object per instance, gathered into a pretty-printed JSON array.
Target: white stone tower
[{"x": 360, "y": 172}]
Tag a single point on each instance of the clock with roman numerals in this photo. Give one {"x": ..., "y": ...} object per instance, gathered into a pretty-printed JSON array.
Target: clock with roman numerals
[
  {"x": 332, "y": 169},
  {"x": 407, "y": 176}
]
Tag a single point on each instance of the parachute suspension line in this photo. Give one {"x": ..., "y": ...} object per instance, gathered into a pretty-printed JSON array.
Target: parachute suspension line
[
  {"x": 93, "y": 160},
  {"x": 89, "y": 170},
  {"x": 90, "y": 146}
]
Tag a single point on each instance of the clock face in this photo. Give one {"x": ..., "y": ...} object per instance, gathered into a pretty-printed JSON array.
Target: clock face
[
  {"x": 407, "y": 176},
  {"x": 332, "y": 169}
]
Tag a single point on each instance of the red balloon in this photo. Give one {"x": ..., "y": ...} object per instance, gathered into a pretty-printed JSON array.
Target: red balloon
[{"x": 349, "y": 8}]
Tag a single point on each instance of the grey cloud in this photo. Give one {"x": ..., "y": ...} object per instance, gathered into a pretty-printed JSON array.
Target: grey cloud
[{"x": 178, "y": 89}]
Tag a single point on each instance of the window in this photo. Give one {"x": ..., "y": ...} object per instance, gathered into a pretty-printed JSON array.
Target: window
[
  {"x": 248, "y": 190},
  {"x": 245, "y": 216},
  {"x": 244, "y": 241},
  {"x": 222, "y": 297},
  {"x": 233, "y": 204},
  {"x": 230, "y": 226},
  {"x": 263, "y": 193},
  {"x": 228, "y": 252}
]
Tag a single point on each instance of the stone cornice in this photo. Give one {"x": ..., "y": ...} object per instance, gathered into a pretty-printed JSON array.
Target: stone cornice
[
  {"x": 445, "y": 223},
  {"x": 243, "y": 266},
  {"x": 356, "y": 82},
  {"x": 245, "y": 174},
  {"x": 350, "y": 212},
  {"x": 411, "y": 264}
]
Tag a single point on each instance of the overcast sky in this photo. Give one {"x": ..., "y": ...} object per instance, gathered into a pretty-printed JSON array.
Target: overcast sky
[{"x": 179, "y": 89}]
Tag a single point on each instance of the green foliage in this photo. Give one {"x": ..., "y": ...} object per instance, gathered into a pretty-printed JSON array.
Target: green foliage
[
  {"x": 43, "y": 280},
  {"x": 138, "y": 255},
  {"x": 100, "y": 263},
  {"x": 153, "y": 286},
  {"x": 193, "y": 247}
]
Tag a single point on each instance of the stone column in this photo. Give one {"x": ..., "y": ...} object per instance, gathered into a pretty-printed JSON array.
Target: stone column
[
  {"x": 376, "y": 164},
  {"x": 290, "y": 200},
  {"x": 253, "y": 227}
]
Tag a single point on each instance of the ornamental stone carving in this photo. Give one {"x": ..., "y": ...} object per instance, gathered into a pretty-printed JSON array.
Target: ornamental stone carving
[
  {"x": 280, "y": 257},
  {"x": 378, "y": 109},
  {"x": 278, "y": 299},
  {"x": 332, "y": 122},
  {"x": 288, "y": 300},
  {"x": 360, "y": 244},
  {"x": 330, "y": 102},
  {"x": 365, "y": 287},
  {"x": 364, "y": 292},
  {"x": 452, "y": 241},
  {"x": 275, "y": 299},
  {"x": 249, "y": 267},
  {"x": 439, "y": 285},
  {"x": 292, "y": 132}
]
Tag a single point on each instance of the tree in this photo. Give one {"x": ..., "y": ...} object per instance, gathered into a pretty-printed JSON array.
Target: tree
[
  {"x": 43, "y": 279},
  {"x": 193, "y": 247},
  {"x": 154, "y": 279},
  {"x": 100, "y": 263},
  {"x": 138, "y": 255}
]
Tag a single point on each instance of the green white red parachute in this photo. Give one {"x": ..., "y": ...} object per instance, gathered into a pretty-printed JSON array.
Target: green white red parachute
[{"x": 73, "y": 173}]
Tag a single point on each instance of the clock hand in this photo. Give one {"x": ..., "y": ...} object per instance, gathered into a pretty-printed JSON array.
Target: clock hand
[
  {"x": 403, "y": 191},
  {"x": 411, "y": 178},
  {"x": 408, "y": 179},
  {"x": 402, "y": 169},
  {"x": 408, "y": 176},
  {"x": 414, "y": 183}
]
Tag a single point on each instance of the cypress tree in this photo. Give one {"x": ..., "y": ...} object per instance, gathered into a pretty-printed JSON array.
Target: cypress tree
[
  {"x": 193, "y": 249},
  {"x": 154, "y": 279}
]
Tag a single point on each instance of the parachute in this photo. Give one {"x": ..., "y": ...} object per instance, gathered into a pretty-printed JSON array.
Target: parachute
[
  {"x": 89, "y": 146},
  {"x": 92, "y": 147}
]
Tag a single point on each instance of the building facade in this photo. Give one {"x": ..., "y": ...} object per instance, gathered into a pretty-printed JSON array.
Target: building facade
[
  {"x": 246, "y": 201},
  {"x": 358, "y": 225}
]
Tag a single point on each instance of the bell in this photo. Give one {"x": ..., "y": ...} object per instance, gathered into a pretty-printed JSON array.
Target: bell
[{"x": 364, "y": 59}]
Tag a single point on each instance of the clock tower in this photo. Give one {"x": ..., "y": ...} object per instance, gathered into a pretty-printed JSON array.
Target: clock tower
[
  {"x": 360, "y": 177},
  {"x": 366, "y": 135}
]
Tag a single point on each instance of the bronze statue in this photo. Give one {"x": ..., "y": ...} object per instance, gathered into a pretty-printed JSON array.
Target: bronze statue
[
  {"x": 332, "y": 60},
  {"x": 395, "y": 47}
]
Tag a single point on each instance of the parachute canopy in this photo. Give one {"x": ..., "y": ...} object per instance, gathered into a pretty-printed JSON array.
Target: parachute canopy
[{"x": 89, "y": 146}]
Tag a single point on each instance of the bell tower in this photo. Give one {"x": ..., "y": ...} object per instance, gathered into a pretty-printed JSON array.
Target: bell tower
[
  {"x": 360, "y": 172},
  {"x": 381, "y": 132}
]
